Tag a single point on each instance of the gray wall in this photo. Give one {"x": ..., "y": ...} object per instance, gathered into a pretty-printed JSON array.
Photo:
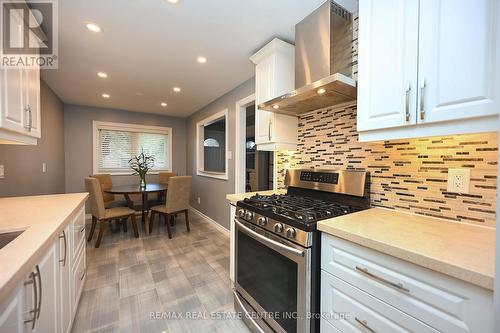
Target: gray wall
[
  {"x": 78, "y": 141},
  {"x": 212, "y": 192},
  {"x": 23, "y": 164}
]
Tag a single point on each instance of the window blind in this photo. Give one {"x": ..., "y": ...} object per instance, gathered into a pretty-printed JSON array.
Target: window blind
[{"x": 116, "y": 148}]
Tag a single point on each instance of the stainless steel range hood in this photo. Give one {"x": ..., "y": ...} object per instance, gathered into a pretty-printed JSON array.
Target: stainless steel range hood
[{"x": 323, "y": 61}]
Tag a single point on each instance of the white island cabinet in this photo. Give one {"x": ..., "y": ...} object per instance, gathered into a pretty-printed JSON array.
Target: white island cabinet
[
  {"x": 432, "y": 69},
  {"x": 47, "y": 298}
]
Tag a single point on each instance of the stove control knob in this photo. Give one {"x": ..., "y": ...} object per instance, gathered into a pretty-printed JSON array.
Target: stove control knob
[
  {"x": 262, "y": 221},
  {"x": 249, "y": 215},
  {"x": 241, "y": 212},
  {"x": 278, "y": 227},
  {"x": 290, "y": 233}
]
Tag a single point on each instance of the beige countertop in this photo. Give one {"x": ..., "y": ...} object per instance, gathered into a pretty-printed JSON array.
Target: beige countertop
[
  {"x": 240, "y": 196},
  {"x": 463, "y": 251},
  {"x": 43, "y": 218}
]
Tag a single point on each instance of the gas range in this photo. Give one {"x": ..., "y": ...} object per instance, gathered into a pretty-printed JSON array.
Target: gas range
[
  {"x": 277, "y": 246},
  {"x": 295, "y": 214}
]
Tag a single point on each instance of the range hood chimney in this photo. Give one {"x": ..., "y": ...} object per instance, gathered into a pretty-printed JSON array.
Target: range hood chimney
[{"x": 323, "y": 61}]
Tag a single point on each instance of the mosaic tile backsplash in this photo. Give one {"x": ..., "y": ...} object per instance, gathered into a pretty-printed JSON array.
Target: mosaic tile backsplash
[{"x": 408, "y": 175}]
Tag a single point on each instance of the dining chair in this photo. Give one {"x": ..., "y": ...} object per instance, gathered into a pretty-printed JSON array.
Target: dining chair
[
  {"x": 163, "y": 178},
  {"x": 106, "y": 183},
  {"x": 102, "y": 214},
  {"x": 177, "y": 201}
]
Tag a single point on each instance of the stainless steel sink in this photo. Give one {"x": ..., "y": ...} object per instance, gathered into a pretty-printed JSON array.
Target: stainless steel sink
[{"x": 8, "y": 237}]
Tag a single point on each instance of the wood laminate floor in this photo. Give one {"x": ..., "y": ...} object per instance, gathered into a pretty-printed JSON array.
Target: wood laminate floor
[{"x": 155, "y": 284}]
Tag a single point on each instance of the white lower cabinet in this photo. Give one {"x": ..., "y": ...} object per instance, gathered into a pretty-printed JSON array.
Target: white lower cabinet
[
  {"x": 65, "y": 298},
  {"x": 47, "y": 299},
  {"x": 384, "y": 294},
  {"x": 12, "y": 312}
]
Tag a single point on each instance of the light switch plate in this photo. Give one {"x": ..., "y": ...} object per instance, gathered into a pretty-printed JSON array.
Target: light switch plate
[
  {"x": 44, "y": 167},
  {"x": 2, "y": 172},
  {"x": 458, "y": 180}
]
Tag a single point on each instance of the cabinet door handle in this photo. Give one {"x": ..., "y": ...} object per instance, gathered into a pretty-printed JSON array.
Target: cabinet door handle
[
  {"x": 27, "y": 113},
  {"x": 364, "y": 323},
  {"x": 398, "y": 286},
  {"x": 65, "y": 248},
  {"x": 39, "y": 276},
  {"x": 422, "y": 100},
  {"x": 32, "y": 280},
  {"x": 269, "y": 130},
  {"x": 83, "y": 275},
  {"x": 407, "y": 102}
]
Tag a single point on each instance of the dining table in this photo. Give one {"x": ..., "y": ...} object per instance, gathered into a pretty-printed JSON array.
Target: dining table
[{"x": 144, "y": 191}]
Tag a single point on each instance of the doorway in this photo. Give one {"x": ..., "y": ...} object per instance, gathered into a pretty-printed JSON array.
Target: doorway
[
  {"x": 258, "y": 164},
  {"x": 254, "y": 169}
]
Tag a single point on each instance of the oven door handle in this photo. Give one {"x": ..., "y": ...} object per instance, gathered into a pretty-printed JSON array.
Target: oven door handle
[
  {"x": 269, "y": 242},
  {"x": 247, "y": 314}
]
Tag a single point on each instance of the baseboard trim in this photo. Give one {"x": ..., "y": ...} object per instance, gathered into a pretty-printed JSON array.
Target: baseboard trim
[{"x": 209, "y": 219}]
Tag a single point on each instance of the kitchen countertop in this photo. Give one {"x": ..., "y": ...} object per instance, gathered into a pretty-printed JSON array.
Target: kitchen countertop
[
  {"x": 240, "y": 196},
  {"x": 43, "y": 218},
  {"x": 463, "y": 251}
]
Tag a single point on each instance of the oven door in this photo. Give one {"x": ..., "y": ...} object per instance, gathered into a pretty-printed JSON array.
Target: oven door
[{"x": 273, "y": 275}]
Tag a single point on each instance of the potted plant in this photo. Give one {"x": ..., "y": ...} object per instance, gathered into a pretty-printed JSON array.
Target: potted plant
[{"x": 141, "y": 164}]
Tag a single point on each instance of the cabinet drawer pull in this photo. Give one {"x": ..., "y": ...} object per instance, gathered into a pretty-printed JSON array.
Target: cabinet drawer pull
[
  {"x": 422, "y": 107},
  {"x": 364, "y": 323},
  {"x": 39, "y": 276},
  {"x": 398, "y": 286},
  {"x": 407, "y": 103},
  {"x": 33, "y": 312},
  {"x": 65, "y": 248}
]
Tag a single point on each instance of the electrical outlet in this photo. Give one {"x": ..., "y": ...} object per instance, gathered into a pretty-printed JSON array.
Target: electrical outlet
[
  {"x": 458, "y": 180},
  {"x": 2, "y": 172},
  {"x": 199, "y": 200}
]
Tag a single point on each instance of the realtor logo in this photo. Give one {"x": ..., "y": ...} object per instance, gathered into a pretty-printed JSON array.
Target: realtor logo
[{"x": 29, "y": 34}]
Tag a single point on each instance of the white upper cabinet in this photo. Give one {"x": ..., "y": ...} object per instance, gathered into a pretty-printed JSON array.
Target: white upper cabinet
[
  {"x": 20, "y": 121},
  {"x": 427, "y": 67},
  {"x": 387, "y": 72},
  {"x": 458, "y": 59},
  {"x": 274, "y": 76}
]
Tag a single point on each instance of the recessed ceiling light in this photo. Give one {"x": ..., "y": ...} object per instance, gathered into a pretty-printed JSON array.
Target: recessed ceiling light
[
  {"x": 93, "y": 27},
  {"x": 102, "y": 74},
  {"x": 177, "y": 89},
  {"x": 202, "y": 60},
  {"x": 321, "y": 91},
  {"x": 276, "y": 106},
  {"x": 163, "y": 104},
  {"x": 105, "y": 96},
  {"x": 174, "y": 2}
]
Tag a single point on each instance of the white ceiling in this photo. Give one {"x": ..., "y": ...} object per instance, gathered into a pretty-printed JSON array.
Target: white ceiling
[{"x": 150, "y": 46}]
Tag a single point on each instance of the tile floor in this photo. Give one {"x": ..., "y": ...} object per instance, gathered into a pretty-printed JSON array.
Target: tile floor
[{"x": 186, "y": 278}]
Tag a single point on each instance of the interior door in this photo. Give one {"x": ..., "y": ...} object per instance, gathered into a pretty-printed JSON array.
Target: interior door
[
  {"x": 458, "y": 59},
  {"x": 264, "y": 91},
  {"x": 13, "y": 114},
  {"x": 388, "y": 49}
]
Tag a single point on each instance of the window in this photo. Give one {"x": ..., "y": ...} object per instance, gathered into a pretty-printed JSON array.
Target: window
[
  {"x": 212, "y": 146},
  {"x": 116, "y": 143}
]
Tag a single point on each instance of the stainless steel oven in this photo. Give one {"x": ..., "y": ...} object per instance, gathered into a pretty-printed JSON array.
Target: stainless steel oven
[{"x": 273, "y": 280}]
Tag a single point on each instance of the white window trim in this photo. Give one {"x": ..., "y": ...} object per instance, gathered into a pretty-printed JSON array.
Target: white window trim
[
  {"x": 200, "y": 148},
  {"x": 97, "y": 125}
]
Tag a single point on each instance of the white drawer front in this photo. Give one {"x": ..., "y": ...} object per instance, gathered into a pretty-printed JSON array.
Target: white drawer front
[
  {"x": 363, "y": 312},
  {"x": 442, "y": 302},
  {"x": 77, "y": 230}
]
